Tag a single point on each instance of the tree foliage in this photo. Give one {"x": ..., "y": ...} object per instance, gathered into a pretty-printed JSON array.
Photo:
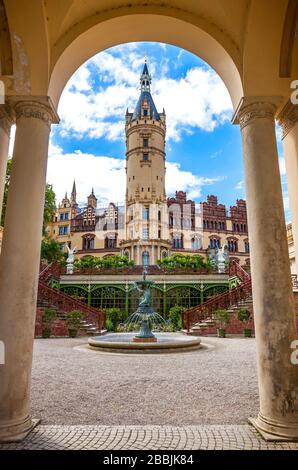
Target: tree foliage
[
  {"x": 50, "y": 250},
  {"x": 185, "y": 261},
  {"x": 113, "y": 261}
]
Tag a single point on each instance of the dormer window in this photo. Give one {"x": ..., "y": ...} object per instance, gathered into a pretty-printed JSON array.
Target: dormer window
[{"x": 145, "y": 112}]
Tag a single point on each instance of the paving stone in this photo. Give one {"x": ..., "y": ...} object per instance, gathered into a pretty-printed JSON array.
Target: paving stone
[{"x": 146, "y": 437}]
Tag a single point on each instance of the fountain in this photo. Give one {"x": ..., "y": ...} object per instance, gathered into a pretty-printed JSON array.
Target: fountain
[{"x": 144, "y": 340}]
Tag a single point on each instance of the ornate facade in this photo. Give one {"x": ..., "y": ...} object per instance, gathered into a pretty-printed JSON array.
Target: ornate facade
[{"x": 150, "y": 225}]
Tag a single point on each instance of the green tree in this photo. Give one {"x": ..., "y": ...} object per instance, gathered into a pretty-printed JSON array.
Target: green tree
[
  {"x": 50, "y": 250},
  {"x": 49, "y": 207}
]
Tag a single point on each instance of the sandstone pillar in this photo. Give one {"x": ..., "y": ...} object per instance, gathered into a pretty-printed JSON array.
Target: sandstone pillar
[
  {"x": 5, "y": 125},
  {"x": 19, "y": 263},
  {"x": 270, "y": 268},
  {"x": 289, "y": 121}
]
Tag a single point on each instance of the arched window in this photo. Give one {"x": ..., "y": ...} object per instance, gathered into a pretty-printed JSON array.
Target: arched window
[
  {"x": 145, "y": 258},
  {"x": 110, "y": 242},
  {"x": 88, "y": 242},
  {"x": 194, "y": 243}
]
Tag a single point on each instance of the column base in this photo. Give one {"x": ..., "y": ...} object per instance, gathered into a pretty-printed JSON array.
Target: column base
[
  {"x": 272, "y": 430},
  {"x": 18, "y": 431}
]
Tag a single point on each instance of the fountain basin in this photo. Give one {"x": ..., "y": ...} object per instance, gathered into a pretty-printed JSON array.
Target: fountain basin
[{"x": 124, "y": 342}]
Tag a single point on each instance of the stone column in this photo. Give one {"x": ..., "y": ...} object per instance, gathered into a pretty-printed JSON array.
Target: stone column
[
  {"x": 19, "y": 263},
  {"x": 153, "y": 254},
  {"x": 288, "y": 119},
  {"x": 6, "y": 121},
  {"x": 270, "y": 268}
]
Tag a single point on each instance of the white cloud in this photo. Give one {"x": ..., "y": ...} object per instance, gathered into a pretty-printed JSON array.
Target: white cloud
[
  {"x": 107, "y": 176},
  {"x": 240, "y": 185},
  {"x": 97, "y": 95}
]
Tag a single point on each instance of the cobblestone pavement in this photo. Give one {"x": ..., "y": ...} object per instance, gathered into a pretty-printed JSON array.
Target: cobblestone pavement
[{"x": 214, "y": 437}]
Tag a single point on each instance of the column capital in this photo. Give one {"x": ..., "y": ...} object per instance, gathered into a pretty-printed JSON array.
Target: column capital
[
  {"x": 6, "y": 118},
  {"x": 288, "y": 117},
  {"x": 37, "y": 107},
  {"x": 251, "y": 108}
]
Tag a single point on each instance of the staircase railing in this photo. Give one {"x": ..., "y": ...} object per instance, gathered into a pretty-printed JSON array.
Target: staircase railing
[
  {"x": 222, "y": 301},
  {"x": 65, "y": 302}
]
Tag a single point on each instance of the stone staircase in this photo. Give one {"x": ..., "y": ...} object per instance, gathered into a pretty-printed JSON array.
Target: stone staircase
[
  {"x": 200, "y": 319},
  {"x": 208, "y": 326},
  {"x": 86, "y": 328},
  {"x": 49, "y": 297}
]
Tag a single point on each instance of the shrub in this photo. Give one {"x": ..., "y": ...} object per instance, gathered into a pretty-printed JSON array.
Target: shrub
[
  {"x": 48, "y": 317},
  {"x": 222, "y": 317},
  {"x": 73, "y": 321},
  {"x": 115, "y": 316},
  {"x": 243, "y": 315},
  {"x": 109, "y": 325},
  {"x": 175, "y": 316}
]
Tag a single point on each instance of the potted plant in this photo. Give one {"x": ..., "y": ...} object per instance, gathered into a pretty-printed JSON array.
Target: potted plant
[
  {"x": 222, "y": 318},
  {"x": 73, "y": 321},
  {"x": 244, "y": 316},
  {"x": 48, "y": 317}
]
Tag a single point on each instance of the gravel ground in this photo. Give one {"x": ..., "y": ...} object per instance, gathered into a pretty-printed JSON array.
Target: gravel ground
[{"x": 214, "y": 385}]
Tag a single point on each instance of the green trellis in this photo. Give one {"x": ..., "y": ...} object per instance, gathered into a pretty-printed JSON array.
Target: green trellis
[{"x": 126, "y": 297}]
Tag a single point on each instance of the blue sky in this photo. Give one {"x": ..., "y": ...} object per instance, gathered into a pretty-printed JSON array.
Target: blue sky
[{"x": 204, "y": 154}]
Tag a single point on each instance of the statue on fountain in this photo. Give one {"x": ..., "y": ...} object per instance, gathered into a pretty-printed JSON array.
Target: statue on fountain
[{"x": 145, "y": 313}]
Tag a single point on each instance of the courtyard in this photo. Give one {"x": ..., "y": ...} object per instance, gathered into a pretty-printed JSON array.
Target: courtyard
[
  {"x": 91, "y": 400},
  {"x": 214, "y": 385}
]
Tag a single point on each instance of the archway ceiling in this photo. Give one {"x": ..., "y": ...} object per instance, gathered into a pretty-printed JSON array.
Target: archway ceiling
[{"x": 240, "y": 39}]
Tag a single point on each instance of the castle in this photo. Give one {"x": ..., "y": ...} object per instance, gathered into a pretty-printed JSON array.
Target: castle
[{"x": 149, "y": 225}]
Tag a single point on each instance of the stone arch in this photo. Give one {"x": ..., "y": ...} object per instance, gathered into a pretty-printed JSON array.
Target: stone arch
[{"x": 193, "y": 34}]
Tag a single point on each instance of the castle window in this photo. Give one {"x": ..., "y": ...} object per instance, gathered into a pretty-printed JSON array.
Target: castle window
[
  {"x": 145, "y": 143},
  {"x": 133, "y": 177},
  {"x": 145, "y": 112},
  {"x": 142, "y": 190},
  {"x": 159, "y": 216},
  {"x": 110, "y": 242},
  {"x": 177, "y": 242},
  {"x": 66, "y": 215},
  {"x": 145, "y": 258},
  {"x": 145, "y": 157},
  {"x": 246, "y": 247},
  {"x": 88, "y": 242},
  {"x": 145, "y": 213},
  {"x": 62, "y": 216},
  {"x": 159, "y": 233},
  {"x": 145, "y": 233},
  {"x": 194, "y": 243},
  {"x": 63, "y": 230}
]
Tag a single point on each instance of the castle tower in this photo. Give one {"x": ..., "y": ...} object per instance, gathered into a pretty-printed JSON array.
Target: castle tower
[
  {"x": 146, "y": 210},
  {"x": 92, "y": 200},
  {"x": 73, "y": 200}
]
